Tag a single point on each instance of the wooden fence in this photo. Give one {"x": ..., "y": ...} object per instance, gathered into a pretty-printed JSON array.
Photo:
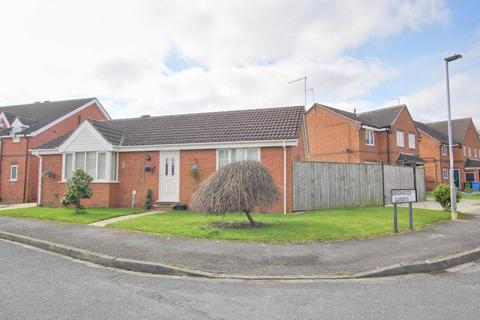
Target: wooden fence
[{"x": 320, "y": 185}]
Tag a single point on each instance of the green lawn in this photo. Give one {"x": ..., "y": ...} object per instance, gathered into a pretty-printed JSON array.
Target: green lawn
[
  {"x": 320, "y": 225},
  {"x": 465, "y": 196},
  {"x": 68, "y": 214}
]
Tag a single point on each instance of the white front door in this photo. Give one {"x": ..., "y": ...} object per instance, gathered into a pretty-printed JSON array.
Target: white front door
[{"x": 169, "y": 176}]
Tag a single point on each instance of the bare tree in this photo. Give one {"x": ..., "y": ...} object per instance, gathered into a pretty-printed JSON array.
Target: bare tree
[{"x": 238, "y": 187}]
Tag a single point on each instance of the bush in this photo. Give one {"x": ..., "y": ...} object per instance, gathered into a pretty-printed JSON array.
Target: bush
[
  {"x": 442, "y": 195},
  {"x": 148, "y": 204},
  {"x": 78, "y": 188}
]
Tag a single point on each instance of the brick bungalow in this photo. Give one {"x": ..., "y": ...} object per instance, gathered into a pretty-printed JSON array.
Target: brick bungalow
[
  {"x": 127, "y": 157},
  {"x": 385, "y": 135},
  {"x": 25, "y": 127},
  {"x": 434, "y": 150}
]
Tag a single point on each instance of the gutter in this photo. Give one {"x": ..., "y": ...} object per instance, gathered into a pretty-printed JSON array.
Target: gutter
[{"x": 39, "y": 191}]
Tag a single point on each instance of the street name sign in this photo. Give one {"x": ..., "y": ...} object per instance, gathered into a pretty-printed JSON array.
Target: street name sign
[{"x": 404, "y": 196}]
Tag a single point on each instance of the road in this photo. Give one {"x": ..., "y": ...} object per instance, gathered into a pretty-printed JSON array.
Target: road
[{"x": 35, "y": 284}]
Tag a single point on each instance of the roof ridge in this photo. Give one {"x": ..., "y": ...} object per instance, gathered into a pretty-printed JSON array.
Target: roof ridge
[
  {"x": 203, "y": 113},
  {"x": 384, "y": 108},
  {"x": 47, "y": 101},
  {"x": 457, "y": 119}
]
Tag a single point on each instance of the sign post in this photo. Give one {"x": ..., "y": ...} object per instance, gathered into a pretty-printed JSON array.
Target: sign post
[{"x": 403, "y": 196}]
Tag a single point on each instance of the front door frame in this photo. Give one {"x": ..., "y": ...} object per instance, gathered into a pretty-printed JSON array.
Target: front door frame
[{"x": 161, "y": 174}]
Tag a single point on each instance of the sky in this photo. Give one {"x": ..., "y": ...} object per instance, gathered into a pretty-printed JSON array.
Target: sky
[{"x": 168, "y": 57}]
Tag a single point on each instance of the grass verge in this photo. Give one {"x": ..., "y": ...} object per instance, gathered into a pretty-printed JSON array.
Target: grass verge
[
  {"x": 322, "y": 225},
  {"x": 68, "y": 214}
]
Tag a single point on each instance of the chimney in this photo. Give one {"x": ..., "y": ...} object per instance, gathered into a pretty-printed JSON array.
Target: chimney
[
  {"x": 355, "y": 111},
  {"x": 145, "y": 116}
]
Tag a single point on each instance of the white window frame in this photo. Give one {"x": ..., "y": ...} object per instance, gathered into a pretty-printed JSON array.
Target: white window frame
[
  {"x": 369, "y": 137},
  {"x": 108, "y": 165},
  {"x": 412, "y": 141},
  {"x": 470, "y": 152},
  {"x": 230, "y": 154},
  {"x": 465, "y": 151},
  {"x": 16, "y": 172},
  {"x": 446, "y": 173},
  {"x": 444, "y": 150},
  {"x": 402, "y": 135}
]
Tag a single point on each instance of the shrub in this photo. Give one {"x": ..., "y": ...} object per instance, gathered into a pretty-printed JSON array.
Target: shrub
[
  {"x": 442, "y": 195},
  {"x": 238, "y": 187},
  {"x": 148, "y": 204},
  {"x": 78, "y": 188}
]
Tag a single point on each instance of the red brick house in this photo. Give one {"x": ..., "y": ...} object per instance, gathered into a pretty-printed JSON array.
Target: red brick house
[
  {"x": 25, "y": 127},
  {"x": 434, "y": 150},
  {"x": 171, "y": 155},
  {"x": 385, "y": 135}
]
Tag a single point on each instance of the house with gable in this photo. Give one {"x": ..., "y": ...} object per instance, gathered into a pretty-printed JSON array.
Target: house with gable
[
  {"x": 172, "y": 155},
  {"x": 434, "y": 150},
  {"x": 386, "y": 135},
  {"x": 27, "y": 126}
]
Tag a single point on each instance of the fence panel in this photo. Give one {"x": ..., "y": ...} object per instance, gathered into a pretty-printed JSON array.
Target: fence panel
[
  {"x": 318, "y": 185},
  {"x": 321, "y": 185}
]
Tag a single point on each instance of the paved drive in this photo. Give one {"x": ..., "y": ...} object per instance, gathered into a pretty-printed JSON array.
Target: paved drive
[
  {"x": 318, "y": 258},
  {"x": 39, "y": 285}
]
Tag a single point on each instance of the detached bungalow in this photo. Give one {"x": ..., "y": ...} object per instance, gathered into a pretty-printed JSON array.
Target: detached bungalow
[
  {"x": 434, "y": 149},
  {"x": 171, "y": 155},
  {"x": 385, "y": 135}
]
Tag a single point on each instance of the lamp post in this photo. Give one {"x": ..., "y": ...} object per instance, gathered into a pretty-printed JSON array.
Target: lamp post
[{"x": 453, "y": 190}]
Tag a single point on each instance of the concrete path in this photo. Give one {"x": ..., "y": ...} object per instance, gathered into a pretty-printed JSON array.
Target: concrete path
[
  {"x": 240, "y": 258},
  {"x": 17, "y": 206},
  {"x": 103, "y": 223},
  {"x": 464, "y": 206}
]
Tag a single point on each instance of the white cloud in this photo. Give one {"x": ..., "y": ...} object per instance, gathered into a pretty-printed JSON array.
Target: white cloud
[{"x": 239, "y": 53}]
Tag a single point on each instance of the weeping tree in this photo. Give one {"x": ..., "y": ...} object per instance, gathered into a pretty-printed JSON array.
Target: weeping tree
[{"x": 238, "y": 187}]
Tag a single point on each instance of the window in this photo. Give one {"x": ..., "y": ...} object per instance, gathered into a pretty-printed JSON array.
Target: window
[
  {"x": 469, "y": 151},
  {"x": 369, "y": 137},
  {"x": 68, "y": 166},
  {"x": 465, "y": 151},
  {"x": 101, "y": 163},
  {"x": 400, "y": 139},
  {"x": 113, "y": 167},
  {"x": 95, "y": 164},
  {"x": 91, "y": 164},
  {"x": 444, "y": 150},
  {"x": 476, "y": 153},
  {"x": 13, "y": 172},
  {"x": 411, "y": 140},
  {"x": 227, "y": 156},
  {"x": 469, "y": 176},
  {"x": 445, "y": 174}
]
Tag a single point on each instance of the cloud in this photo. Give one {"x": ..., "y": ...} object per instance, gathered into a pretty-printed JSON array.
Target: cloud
[{"x": 228, "y": 54}]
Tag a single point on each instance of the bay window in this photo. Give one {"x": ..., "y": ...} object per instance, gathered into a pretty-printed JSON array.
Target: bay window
[
  {"x": 95, "y": 164},
  {"x": 227, "y": 156}
]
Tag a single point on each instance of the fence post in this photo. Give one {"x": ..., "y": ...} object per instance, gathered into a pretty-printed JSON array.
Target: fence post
[
  {"x": 415, "y": 181},
  {"x": 383, "y": 183}
]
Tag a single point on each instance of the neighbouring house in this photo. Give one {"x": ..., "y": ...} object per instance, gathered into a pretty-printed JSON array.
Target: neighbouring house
[
  {"x": 25, "y": 127},
  {"x": 434, "y": 150},
  {"x": 386, "y": 135},
  {"x": 172, "y": 154}
]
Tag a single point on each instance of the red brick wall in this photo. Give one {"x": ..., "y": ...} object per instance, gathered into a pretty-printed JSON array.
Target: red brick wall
[
  {"x": 14, "y": 192},
  {"x": 332, "y": 137},
  {"x": 133, "y": 177}
]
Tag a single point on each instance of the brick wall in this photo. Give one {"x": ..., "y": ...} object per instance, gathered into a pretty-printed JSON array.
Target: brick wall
[
  {"x": 14, "y": 192},
  {"x": 334, "y": 138},
  {"x": 133, "y": 177}
]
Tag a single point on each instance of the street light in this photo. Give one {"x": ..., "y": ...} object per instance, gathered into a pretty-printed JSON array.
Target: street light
[{"x": 453, "y": 190}]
